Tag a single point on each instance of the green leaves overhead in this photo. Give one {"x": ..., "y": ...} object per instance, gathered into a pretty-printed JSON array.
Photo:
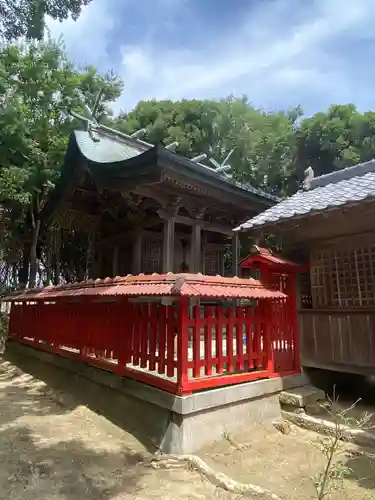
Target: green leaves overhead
[
  {"x": 271, "y": 149},
  {"x": 263, "y": 142},
  {"x": 39, "y": 86},
  {"x": 26, "y": 18}
]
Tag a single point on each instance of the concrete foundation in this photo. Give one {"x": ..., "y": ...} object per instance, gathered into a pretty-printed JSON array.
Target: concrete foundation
[{"x": 163, "y": 421}]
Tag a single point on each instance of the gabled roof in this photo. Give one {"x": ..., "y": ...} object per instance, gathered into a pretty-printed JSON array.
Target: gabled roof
[
  {"x": 123, "y": 155},
  {"x": 265, "y": 256},
  {"x": 349, "y": 186},
  {"x": 160, "y": 285}
]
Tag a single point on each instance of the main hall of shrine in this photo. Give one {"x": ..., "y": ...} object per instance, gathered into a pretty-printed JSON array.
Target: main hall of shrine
[{"x": 148, "y": 209}]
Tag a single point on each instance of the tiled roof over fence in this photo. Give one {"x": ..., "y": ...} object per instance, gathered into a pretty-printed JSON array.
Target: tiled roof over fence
[{"x": 188, "y": 285}]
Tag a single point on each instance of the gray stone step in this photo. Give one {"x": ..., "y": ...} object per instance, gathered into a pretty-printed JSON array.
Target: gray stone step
[{"x": 300, "y": 397}]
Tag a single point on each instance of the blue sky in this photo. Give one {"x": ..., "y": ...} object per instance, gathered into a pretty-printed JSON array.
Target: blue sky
[{"x": 280, "y": 53}]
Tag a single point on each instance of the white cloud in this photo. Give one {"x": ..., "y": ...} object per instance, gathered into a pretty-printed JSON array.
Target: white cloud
[
  {"x": 271, "y": 56},
  {"x": 87, "y": 38}
]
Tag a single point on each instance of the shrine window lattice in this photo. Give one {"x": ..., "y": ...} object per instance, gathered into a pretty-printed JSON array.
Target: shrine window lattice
[
  {"x": 343, "y": 277},
  {"x": 213, "y": 262},
  {"x": 152, "y": 256}
]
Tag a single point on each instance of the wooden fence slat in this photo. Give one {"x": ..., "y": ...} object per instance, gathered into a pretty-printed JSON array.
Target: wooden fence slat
[
  {"x": 196, "y": 341},
  {"x": 219, "y": 339},
  {"x": 249, "y": 337},
  {"x": 230, "y": 366},
  {"x": 144, "y": 333},
  {"x": 208, "y": 339},
  {"x": 162, "y": 339},
  {"x": 153, "y": 332},
  {"x": 258, "y": 358},
  {"x": 171, "y": 336},
  {"x": 239, "y": 338}
]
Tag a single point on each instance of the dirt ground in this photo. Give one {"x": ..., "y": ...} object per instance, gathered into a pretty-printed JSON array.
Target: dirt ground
[{"x": 54, "y": 446}]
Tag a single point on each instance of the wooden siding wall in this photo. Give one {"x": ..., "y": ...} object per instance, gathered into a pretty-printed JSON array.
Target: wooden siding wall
[
  {"x": 338, "y": 331},
  {"x": 338, "y": 340}
]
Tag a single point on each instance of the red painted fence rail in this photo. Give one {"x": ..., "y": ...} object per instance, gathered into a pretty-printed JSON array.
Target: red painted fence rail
[{"x": 177, "y": 347}]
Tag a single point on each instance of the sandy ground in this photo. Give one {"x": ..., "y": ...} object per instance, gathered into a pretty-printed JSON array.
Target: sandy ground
[{"x": 54, "y": 447}]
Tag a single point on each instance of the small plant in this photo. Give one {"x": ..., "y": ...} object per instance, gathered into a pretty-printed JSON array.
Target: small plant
[
  {"x": 3, "y": 331},
  {"x": 333, "y": 445}
]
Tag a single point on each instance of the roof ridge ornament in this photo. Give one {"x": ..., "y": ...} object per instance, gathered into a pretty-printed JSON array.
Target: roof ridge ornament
[
  {"x": 309, "y": 177},
  {"x": 223, "y": 167},
  {"x": 90, "y": 119}
]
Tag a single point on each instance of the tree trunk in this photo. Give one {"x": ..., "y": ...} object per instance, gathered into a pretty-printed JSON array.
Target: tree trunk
[
  {"x": 23, "y": 275},
  {"x": 33, "y": 251}
]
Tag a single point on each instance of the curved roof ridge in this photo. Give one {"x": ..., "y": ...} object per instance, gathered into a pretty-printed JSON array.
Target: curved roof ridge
[{"x": 344, "y": 174}]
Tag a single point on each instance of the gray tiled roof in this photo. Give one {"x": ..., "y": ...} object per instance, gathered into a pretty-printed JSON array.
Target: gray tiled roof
[{"x": 350, "y": 185}]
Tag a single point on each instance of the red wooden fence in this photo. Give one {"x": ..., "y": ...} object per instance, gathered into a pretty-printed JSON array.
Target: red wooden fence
[{"x": 177, "y": 348}]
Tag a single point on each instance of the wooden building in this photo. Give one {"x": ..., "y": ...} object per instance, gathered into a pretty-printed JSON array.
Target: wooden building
[
  {"x": 147, "y": 209},
  {"x": 330, "y": 225}
]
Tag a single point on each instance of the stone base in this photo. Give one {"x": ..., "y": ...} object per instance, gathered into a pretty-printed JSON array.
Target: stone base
[
  {"x": 172, "y": 424},
  {"x": 301, "y": 397}
]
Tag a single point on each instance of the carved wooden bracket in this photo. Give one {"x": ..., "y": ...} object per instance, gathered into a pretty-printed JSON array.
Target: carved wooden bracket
[{"x": 170, "y": 208}]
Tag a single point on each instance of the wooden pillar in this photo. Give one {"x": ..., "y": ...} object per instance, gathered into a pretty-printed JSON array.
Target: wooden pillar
[
  {"x": 168, "y": 245},
  {"x": 196, "y": 258},
  {"x": 137, "y": 253},
  {"x": 235, "y": 253},
  {"x": 115, "y": 267}
]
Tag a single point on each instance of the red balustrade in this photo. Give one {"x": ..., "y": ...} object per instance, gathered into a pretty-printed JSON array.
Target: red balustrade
[{"x": 179, "y": 348}]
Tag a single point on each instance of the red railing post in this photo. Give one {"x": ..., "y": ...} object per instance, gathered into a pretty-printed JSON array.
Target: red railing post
[
  {"x": 182, "y": 345},
  {"x": 268, "y": 338}
]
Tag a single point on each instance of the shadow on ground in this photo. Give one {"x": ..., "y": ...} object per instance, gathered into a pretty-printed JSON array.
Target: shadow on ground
[
  {"x": 147, "y": 423},
  {"x": 66, "y": 470},
  {"x": 362, "y": 471},
  {"x": 351, "y": 388}
]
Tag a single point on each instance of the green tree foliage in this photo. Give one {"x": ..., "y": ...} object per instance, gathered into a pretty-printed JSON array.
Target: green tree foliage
[
  {"x": 25, "y": 18},
  {"x": 263, "y": 143},
  {"x": 38, "y": 87},
  {"x": 336, "y": 139},
  {"x": 271, "y": 150}
]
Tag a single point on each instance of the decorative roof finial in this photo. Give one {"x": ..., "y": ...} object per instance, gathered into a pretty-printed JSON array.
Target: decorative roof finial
[
  {"x": 139, "y": 133},
  {"x": 90, "y": 119},
  {"x": 224, "y": 167},
  {"x": 199, "y": 158},
  {"x": 172, "y": 146},
  {"x": 309, "y": 176}
]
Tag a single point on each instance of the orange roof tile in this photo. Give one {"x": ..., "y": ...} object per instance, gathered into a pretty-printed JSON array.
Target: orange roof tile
[{"x": 189, "y": 285}]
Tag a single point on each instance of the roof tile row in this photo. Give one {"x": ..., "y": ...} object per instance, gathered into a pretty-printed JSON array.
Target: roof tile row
[{"x": 188, "y": 285}]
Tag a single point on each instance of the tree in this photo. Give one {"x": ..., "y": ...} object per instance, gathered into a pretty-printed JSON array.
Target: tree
[
  {"x": 263, "y": 143},
  {"x": 335, "y": 139},
  {"x": 25, "y": 18},
  {"x": 39, "y": 86}
]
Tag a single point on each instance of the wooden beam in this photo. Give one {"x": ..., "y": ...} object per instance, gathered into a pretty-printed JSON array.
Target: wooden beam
[{"x": 206, "y": 226}]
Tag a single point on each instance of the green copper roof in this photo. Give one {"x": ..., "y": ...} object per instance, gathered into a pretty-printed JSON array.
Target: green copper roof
[
  {"x": 103, "y": 147},
  {"x": 112, "y": 154},
  {"x": 106, "y": 149}
]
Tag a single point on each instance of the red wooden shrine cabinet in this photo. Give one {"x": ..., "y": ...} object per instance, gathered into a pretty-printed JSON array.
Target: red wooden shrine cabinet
[{"x": 280, "y": 274}]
